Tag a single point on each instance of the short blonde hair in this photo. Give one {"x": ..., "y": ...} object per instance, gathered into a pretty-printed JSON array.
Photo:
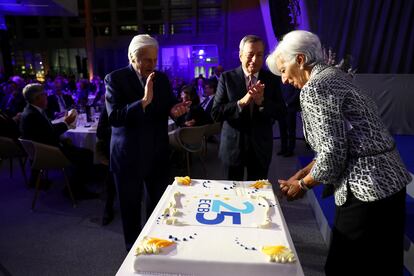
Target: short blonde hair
[
  {"x": 138, "y": 42},
  {"x": 292, "y": 44}
]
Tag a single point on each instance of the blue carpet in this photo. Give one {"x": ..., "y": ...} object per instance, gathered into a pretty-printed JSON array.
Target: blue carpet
[{"x": 405, "y": 145}]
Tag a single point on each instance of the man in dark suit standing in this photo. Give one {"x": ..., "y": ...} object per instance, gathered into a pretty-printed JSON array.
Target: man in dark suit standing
[
  {"x": 248, "y": 100},
  {"x": 139, "y": 101}
]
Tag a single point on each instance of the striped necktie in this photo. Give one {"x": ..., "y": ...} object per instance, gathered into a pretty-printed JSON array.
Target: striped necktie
[{"x": 252, "y": 81}]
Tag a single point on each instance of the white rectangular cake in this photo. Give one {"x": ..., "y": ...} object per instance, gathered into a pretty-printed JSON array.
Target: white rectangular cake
[{"x": 216, "y": 231}]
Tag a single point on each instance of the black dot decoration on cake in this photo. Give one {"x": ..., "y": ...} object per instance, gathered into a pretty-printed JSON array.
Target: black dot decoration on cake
[
  {"x": 270, "y": 205},
  {"x": 185, "y": 239},
  {"x": 244, "y": 246},
  {"x": 161, "y": 217},
  {"x": 230, "y": 187},
  {"x": 253, "y": 192},
  {"x": 205, "y": 184}
]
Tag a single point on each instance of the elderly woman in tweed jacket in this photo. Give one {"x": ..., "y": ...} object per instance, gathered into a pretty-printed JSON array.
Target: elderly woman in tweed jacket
[{"x": 354, "y": 152}]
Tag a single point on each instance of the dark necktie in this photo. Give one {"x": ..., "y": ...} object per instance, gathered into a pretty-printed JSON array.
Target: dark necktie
[
  {"x": 252, "y": 81},
  {"x": 143, "y": 81}
]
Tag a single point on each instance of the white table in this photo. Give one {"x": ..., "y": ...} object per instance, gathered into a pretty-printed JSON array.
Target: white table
[
  {"x": 127, "y": 267},
  {"x": 83, "y": 136}
]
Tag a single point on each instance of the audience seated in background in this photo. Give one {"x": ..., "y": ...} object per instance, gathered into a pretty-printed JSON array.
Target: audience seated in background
[
  {"x": 58, "y": 102},
  {"x": 199, "y": 85},
  {"x": 210, "y": 88},
  {"x": 82, "y": 92},
  {"x": 217, "y": 72},
  {"x": 97, "y": 89},
  {"x": 35, "y": 126},
  {"x": 196, "y": 116},
  {"x": 176, "y": 84},
  {"x": 13, "y": 101}
]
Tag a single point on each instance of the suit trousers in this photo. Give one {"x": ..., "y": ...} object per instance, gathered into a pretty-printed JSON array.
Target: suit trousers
[
  {"x": 368, "y": 237},
  {"x": 132, "y": 197},
  {"x": 287, "y": 129},
  {"x": 255, "y": 169}
]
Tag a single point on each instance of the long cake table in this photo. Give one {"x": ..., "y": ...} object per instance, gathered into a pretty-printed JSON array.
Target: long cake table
[{"x": 215, "y": 227}]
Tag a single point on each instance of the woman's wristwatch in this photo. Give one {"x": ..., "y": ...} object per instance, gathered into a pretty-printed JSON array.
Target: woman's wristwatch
[{"x": 303, "y": 185}]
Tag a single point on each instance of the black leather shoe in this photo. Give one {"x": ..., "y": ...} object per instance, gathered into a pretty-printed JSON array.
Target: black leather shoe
[{"x": 108, "y": 216}]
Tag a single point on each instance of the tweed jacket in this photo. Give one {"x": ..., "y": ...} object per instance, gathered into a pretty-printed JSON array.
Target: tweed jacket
[{"x": 354, "y": 150}]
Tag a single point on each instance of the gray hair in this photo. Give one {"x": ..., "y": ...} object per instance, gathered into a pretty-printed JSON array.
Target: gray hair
[
  {"x": 249, "y": 39},
  {"x": 31, "y": 91},
  {"x": 292, "y": 44},
  {"x": 138, "y": 42}
]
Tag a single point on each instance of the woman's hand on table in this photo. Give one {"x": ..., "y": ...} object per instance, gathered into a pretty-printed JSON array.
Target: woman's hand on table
[{"x": 291, "y": 188}]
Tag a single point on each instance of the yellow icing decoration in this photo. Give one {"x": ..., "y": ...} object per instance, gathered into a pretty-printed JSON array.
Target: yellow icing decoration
[
  {"x": 273, "y": 250},
  {"x": 259, "y": 184},
  {"x": 279, "y": 254},
  {"x": 186, "y": 180},
  {"x": 152, "y": 246},
  {"x": 160, "y": 243}
]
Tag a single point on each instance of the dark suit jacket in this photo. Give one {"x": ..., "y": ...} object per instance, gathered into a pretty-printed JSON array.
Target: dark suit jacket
[
  {"x": 291, "y": 97},
  {"x": 139, "y": 138},
  {"x": 209, "y": 106},
  {"x": 8, "y": 127},
  {"x": 103, "y": 132},
  {"x": 240, "y": 129},
  {"x": 53, "y": 105},
  {"x": 35, "y": 126}
]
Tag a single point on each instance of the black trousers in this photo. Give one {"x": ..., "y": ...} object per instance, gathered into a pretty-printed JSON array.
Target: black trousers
[
  {"x": 287, "y": 129},
  {"x": 255, "y": 169},
  {"x": 130, "y": 188},
  {"x": 367, "y": 237}
]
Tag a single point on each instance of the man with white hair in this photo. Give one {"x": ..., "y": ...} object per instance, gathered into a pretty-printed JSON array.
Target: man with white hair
[
  {"x": 139, "y": 101},
  {"x": 248, "y": 100}
]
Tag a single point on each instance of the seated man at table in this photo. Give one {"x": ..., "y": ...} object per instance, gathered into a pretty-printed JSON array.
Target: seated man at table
[
  {"x": 35, "y": 126},
  {"x": 58, "y": 103}
]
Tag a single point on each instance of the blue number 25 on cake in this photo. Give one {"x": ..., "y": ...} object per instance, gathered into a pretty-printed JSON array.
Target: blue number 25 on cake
[{"x": 208, "y": 205}]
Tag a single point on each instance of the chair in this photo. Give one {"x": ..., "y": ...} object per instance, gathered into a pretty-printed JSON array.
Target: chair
[
  {"x": 190, "y": 140},
  {"x": 211, "y": 131},
  {"x": 9, "y": 149},
  {"x": 45, "y": 157}
]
